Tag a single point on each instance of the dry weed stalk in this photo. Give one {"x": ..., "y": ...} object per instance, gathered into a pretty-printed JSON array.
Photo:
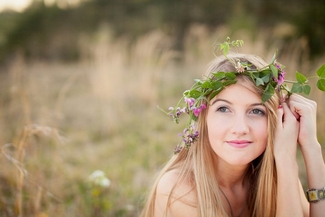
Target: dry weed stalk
[
  {"x": 18, "y": 82},
  {"x": 23, "y": 174},
  {"x": 63, "y": 93},
  {"x": 20, "y": 89}
]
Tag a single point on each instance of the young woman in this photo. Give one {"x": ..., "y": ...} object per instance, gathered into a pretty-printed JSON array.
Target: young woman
[{"x": 243, "y": 163}]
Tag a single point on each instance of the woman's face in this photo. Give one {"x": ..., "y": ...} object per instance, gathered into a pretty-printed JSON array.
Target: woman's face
[{"x": 237, "y": 124}]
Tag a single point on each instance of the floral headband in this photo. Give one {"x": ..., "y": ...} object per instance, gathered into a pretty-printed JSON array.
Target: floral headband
[{"x": 270, "y": 77}]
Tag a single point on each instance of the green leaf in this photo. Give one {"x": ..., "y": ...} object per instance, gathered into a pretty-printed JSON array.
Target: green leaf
[
  {"x": 229, "y": 82},
  {"x": 206, "y": 84},
  {"x": 224, "y": 47},
  {"x": 274, "y": 70},
  {"x": 274, "y": 56},
  {"x": 306, "y": 89},
  {"x": 284, "y": 86},
  {"x": 321, "y": 84},
  {"x": 266, "y": 78},
  {"x": 265, "y": 72},
  {"x": 268, "y": 92},
  {"x": 216, "y": 85},
  {"x": 214, "y": 93},
  {"x": 259, "y": 82},
  {"x": 237, "y": 43},
  {"x": 252, "y": 76},
  {"x": 219, "y": 75},
  {"x": 230, "y": 75},
  {"x": 296, "y": 88},
  {"x": 186, "y": 93},
  {"x": 195, "y": 93},
  {"x": 300, "y": 78},
  {"x": 321, "y": 71}
]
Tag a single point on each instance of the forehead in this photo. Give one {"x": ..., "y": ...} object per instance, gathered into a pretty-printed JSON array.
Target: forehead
[{"x": 243, "y": 90}]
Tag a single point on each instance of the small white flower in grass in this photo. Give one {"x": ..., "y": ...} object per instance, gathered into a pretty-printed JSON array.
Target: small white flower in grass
[
  {"x": 130, "y": 207},
  {"x": 99, "y": 178}
]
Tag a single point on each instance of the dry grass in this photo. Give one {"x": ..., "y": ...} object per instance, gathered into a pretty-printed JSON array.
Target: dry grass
[{"x": 61, "y": 122}]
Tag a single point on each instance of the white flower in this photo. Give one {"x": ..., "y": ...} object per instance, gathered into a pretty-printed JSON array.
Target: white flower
[{"x": 99, "y": 178}]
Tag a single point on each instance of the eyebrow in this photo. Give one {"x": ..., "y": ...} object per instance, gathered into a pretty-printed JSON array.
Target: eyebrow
[{"x": 224, "y": 100}]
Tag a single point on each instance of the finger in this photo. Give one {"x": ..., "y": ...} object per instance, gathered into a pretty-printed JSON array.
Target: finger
[
  {"x": 287, "y": 112},
  {"x": 293, "y": 106},
  {"x": 303, "y": 100},
  {"x": 279, "y": 113},
  {"x": 303, "y": 109}
]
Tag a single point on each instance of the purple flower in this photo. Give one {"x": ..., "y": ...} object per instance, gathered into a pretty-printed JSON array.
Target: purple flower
[
  {"x": 176, "y": 112},
  {"x": 281, "y": 74},
  {"x": 190, "y": 101},
  {"x": 177, "y": 149},
  {"x": 281, "y": 77},
  {"x": 203, "y": 106},
  {"x": 278, "y": 66},
  {"x": 197, "y": 111},
  {"x": 189, "y": 137}
]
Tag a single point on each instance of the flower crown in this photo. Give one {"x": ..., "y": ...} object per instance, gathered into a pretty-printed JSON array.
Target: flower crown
[{"x": 270, "y": 77}]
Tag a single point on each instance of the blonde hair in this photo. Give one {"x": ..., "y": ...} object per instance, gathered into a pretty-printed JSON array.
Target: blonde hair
[{"x": 196, "y": 164}]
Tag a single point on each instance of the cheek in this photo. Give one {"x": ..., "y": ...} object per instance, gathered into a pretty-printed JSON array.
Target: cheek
[
  {"x": 261, "y": 132},
  {"x": 217, "y": 130},
  {"x": 216, "y": 122}
]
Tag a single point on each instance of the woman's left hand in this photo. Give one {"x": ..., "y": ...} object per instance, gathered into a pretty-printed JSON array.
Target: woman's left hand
[{"x": 305, "y": 112}]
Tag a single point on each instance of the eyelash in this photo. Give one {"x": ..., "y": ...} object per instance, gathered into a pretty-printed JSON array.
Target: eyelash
[
  {"x": 222, "y": 108},
  {"x": 260, "y": 112},
  {"x": 254, "y": 111}
]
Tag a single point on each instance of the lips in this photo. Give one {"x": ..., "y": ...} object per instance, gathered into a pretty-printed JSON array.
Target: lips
[{"x": 239, "y": 143}]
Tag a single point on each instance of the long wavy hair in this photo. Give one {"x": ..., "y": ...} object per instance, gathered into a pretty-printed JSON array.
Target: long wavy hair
[{"x": 196, "y": 165}]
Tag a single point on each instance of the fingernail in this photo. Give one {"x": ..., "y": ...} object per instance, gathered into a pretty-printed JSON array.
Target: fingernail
[{"x": 280, "y": 106}]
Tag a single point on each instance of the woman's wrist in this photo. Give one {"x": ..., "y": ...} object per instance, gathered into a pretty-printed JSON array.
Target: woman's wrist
[
  {"x": 311, "y": 150},
  {"x": 310, "y": 143},
  {"x": 286, "y": 164},
  {"x": 285, "y": 156}
]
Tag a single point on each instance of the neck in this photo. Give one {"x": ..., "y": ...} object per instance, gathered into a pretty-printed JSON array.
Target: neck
[
  {"x": 234, "y": 185},
  {"x": 231, "y": 176}
]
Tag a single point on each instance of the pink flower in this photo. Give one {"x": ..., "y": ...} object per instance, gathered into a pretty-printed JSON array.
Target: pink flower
[
  {"x": 281, "y": 77},
  {"x": 190, "y": 101},
  {"x": 281, "y": 74},
  {"x": 197, "y": 111}
]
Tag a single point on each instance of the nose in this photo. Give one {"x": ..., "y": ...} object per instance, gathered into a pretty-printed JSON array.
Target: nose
[{"x": 239, "y": 125}]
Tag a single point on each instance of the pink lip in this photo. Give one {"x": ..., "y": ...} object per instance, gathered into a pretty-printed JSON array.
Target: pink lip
[{"x": 239, "y": 143}]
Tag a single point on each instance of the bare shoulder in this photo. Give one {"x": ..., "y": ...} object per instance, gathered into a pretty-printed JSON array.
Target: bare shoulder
[{"x": 182, "y": 196}]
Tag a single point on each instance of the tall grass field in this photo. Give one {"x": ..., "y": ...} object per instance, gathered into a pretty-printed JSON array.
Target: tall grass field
[{"x": 86, "y": 138}]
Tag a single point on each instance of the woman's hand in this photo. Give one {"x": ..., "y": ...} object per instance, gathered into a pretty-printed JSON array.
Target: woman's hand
[
  {"x": 285, "y": 149},
  {"x": 286, "y": 134},
  {"x": 305, "y": 112}
]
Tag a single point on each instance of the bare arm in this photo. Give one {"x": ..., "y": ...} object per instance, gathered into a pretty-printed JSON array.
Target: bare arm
[
  {"x": 305, "y": 110},
  {"x": 285, "y": 148}
]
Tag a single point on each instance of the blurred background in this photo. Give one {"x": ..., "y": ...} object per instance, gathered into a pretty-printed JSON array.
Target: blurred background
[{"x": 80, "y": 82}]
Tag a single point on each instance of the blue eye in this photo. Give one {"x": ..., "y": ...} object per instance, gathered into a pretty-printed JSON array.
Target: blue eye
[
  {"x": 223, "y": 109},
  {"x": 257, "y": 112}
]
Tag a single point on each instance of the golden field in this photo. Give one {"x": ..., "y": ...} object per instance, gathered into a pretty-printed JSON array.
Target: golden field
[{"x": 60, "y": 122}]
